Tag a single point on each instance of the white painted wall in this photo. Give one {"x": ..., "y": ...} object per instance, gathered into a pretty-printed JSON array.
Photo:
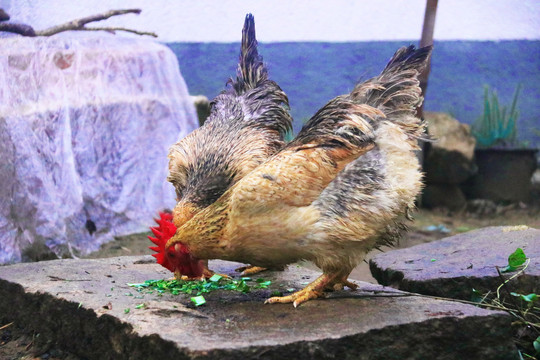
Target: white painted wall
[{"x": 297, "y": 20}]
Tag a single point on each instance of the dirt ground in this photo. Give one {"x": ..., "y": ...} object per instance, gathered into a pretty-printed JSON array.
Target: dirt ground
[{"x": 17, "y": 344}]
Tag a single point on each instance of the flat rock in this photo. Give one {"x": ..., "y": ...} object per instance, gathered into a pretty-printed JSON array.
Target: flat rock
[
  {"x": 453, "y": 266},
  {"x": 80, "y": 306}
]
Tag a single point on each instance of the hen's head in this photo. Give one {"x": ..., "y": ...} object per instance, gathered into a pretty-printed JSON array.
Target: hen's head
[{"x": 177, "y": 258}]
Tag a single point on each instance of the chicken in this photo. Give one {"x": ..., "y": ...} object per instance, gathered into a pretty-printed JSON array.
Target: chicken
[
  {"x": 343, "y": 186},
  {"x": 246, "y": 125}
]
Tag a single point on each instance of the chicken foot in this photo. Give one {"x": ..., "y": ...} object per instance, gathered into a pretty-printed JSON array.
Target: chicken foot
[
  {"x": 253, "y": 269},
  {"x": 250, "y": 270},
  {"x": 315, "y": 289}
]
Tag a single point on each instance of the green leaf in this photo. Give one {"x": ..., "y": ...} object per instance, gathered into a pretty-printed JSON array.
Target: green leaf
[
  {"x": 198, "y": 300},
  {"x": 126, "y": 311},
  {"x": 215, "y": 278},
  {"x": 517, "y": 258},
  {"x": 140, "y": 306},
  {"x": 530, "y": 298},
  {"x": 527, "y": 298},
  {"x": 536, "y": 344}
]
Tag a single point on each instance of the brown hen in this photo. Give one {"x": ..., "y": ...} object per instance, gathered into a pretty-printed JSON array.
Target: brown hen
[{"x": 340, "y": 188}]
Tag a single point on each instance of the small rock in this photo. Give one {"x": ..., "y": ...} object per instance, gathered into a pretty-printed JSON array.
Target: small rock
[
  {"x": 448, "y": 160},
  {"x": 464, "y": 262}
]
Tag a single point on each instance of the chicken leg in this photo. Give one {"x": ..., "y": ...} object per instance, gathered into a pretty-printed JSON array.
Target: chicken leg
[
  {"x": 253, "y": 269},
  {"x": 315, "y": 289}
]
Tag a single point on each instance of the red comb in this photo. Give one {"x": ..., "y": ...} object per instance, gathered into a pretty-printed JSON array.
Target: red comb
[{"x": 162, "y": 233}]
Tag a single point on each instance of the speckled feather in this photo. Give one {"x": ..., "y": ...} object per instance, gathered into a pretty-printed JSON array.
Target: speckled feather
[{"x": 340, "y": 188}]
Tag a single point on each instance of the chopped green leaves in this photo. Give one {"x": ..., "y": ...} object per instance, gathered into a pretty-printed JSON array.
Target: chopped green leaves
[
  {"x": 141, "y": 306},
  {"x": 515, "y": 260},
  {"x": 262, "y": 284},
  {"x": 126, "y": 311},
  {"x": 216, "y": 282},
  {"x": 198, "y": 300}
]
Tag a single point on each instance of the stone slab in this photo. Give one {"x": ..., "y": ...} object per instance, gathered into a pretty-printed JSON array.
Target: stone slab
[
  {"x": 78, "y": 305},
  {"x": 453, "y": 266}
]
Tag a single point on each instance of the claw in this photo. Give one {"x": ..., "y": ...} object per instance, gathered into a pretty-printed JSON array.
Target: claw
[
  {"x": 314, "y": 290},
  {"x": 250, "y": 270}
]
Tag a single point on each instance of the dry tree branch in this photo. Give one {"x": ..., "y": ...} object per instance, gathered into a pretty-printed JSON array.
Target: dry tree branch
[
  {"x": 77, "y": 25},
  {"x": 113, "y": 29},
  {"x": 21, "y": 29}
]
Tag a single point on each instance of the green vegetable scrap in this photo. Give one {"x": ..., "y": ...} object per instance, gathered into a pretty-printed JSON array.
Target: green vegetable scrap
[
  {"x": 515, "y": 260},
  {"x": 198, "y": 300},
  {"x": 216, "y": 282},
  {"x": 262, "y": 284}
]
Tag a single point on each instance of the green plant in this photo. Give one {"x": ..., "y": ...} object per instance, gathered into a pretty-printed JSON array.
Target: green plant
[
  {"x": 523, "y": 307},
  {"x": 498, "y": 124}
]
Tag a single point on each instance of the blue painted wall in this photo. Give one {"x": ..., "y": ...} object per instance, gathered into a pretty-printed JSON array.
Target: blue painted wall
[{"x": 311, "y": 73}]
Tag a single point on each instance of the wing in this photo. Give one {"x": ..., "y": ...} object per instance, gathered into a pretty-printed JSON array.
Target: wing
[{"x": 339, "y": 132}]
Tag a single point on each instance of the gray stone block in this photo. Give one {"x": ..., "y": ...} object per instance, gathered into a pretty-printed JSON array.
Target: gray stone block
[
  {"x": 78, "y": 305},
  {"x": 453, "y": 266}
]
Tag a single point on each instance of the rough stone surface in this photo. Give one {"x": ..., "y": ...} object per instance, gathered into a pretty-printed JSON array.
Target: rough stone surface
[
  {"x": 79, "y": 305},
  {"x": 452, "y": 267},
  {"x": 448, "y": 196},
  {"x": 448, "y": 160},
  {"x": 85, "y": 125}
]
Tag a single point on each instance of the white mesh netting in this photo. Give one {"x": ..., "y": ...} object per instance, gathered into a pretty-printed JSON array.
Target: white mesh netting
[{"x": 85, "y": 126}]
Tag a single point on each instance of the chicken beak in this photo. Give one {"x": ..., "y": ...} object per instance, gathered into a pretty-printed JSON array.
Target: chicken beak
[{"x": 172, "y": 241}]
